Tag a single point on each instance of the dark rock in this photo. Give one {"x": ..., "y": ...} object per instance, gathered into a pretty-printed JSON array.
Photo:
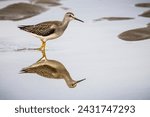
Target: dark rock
[
  {"x": 136, "y": 34},
  {"x": 148, "y": 25},
  {"x": 145, "y": 14},
  {"x": 20, "y": 11},
  {"x": 142, "y": 4}
]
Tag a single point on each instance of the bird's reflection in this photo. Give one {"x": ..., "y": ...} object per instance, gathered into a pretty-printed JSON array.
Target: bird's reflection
[{"x": 51, "y": 69}]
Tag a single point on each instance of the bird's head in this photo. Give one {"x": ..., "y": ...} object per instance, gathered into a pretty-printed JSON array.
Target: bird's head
[
  {"x": 70, "y": 16},
  {"x": 73, "y": 84}
]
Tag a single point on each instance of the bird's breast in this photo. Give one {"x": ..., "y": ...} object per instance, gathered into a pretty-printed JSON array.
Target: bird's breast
[{"x": 53, "y": 36}]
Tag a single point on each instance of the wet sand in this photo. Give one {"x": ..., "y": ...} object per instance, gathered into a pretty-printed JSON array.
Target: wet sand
[
  {"x": 142, "y": 5},
  {"x": 20, "y": 11},
  {"x": 113, "y": 18},
  {"x": 136, "y": 34},
  {"x": 145, "y": 14}
]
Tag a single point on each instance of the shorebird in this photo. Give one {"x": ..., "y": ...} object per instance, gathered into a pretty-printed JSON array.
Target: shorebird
[
  {"x": 51, "y": 69},
  {"x": 49, "y": 30}
]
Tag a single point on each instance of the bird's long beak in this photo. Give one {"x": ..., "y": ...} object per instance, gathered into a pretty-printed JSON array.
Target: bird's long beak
[
  {"x": 78, "y": 19},
  {"x": 80, "y": 81}
]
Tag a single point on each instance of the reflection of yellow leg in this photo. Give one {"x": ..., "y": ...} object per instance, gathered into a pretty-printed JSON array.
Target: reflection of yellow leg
[
  {"x": 43, "y": 45},
  {"x": 43, "y": 56}
]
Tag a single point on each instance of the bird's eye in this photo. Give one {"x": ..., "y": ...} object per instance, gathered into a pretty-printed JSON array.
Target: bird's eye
[{"x": 72, "y": 85}]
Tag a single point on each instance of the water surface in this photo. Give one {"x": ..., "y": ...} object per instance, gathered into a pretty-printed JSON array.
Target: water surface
[{"x": 113, "y": 68}]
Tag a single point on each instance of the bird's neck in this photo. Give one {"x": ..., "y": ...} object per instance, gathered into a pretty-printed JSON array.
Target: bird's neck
[
  {"x": 65, "y": 23},
  {"x": 68, "y": 79}
]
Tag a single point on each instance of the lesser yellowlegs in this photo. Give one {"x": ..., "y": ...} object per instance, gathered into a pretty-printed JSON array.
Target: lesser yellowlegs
[{"x": 49, "y": 30}]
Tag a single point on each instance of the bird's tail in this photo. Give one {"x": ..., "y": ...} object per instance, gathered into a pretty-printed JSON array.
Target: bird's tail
[
  {"x": 25, "y": 28},
  {"x": 22, "y": 27},
  {"x": 25, "y": 70}
]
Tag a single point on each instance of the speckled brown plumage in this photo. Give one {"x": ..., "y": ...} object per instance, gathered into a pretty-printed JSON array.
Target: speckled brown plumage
[{"x": 42, "y": 29}]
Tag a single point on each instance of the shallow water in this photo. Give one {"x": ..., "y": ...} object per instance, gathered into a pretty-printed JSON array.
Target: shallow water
[{"x": 113, "y": 68}]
